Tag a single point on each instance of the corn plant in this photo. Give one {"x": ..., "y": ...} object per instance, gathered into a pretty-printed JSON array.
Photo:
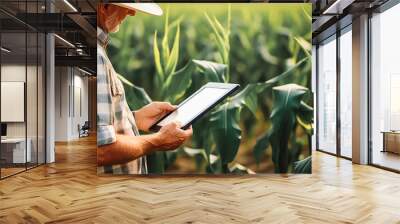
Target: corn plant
[
  {"x": 218, "y": 135},
  {"x": 288, "y": 113}
]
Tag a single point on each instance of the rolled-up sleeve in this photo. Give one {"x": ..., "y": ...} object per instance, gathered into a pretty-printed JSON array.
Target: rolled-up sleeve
[{"x": 105, "y": 129}]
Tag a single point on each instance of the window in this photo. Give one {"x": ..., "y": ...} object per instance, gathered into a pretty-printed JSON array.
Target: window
[
  {"x": 327, "y": 96},
  {"x": 346, "y": 93},
  {"x": 22, "y": 76},
  {"x": 385, "y": 89}
]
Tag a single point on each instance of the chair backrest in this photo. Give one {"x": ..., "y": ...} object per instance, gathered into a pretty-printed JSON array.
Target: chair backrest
[{"x": 86, "y": 125}]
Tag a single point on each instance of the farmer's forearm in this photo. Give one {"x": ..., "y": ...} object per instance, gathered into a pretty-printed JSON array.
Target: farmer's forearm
[{"x": 125, "y": 149}]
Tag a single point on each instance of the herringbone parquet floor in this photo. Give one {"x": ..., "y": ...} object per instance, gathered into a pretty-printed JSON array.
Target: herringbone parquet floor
[{"x": 70, "y": 192}]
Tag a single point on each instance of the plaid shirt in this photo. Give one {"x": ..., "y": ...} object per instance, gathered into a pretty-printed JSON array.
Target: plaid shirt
[{"x": 113, "y": 113}]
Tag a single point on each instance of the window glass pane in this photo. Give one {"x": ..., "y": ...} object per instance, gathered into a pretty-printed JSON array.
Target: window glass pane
[
  {"x": 22, "y": 87},
  {"x": 15, "y": 151},
  {"x": 327, "y": 97},
  {"x": 346, "y": 94},
  {"x": 385, "y": 84}
]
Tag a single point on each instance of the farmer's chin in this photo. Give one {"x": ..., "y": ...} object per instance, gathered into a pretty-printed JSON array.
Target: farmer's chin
[{"x": 115, "y": 29}]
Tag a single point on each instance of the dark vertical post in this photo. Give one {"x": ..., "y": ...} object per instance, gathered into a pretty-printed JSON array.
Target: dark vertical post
[
  {"x": 338, "y": 73},
  {"x": 37, "y": 89},
  {"x": 317, "y": 97},
  {"x": 26, "y": 86},
  {"x": 0, "y": 94},
  {"x": 45, "y": 88},
  {"x": 369, "y": 89}
]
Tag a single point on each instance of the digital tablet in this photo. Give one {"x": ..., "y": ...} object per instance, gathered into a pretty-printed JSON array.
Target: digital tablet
[{"x": 199, "y": 103}]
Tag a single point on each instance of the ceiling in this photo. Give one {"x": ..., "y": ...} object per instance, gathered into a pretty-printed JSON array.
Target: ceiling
[
  {"x": 330, "y": 15},
  {"x": 75, "y": 21},
  {"x": 72, "y": 20}
]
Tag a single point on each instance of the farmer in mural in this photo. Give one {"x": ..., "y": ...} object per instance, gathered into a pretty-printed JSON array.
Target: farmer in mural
[{"x": 121, "y": 150}]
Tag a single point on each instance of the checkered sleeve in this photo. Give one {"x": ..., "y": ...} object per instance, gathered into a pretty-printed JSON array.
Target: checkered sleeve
[{"x": 105, "y": 129}]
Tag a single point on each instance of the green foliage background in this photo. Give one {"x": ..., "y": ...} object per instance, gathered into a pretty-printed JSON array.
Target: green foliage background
[{"x": 263, "y": 42}]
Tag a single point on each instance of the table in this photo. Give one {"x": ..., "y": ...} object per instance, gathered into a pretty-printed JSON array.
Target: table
[
  {"x": 391, "y": 141},
  {"x": 13, "y": 150}
]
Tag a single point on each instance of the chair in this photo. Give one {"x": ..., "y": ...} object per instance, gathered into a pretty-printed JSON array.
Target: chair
[{"x": 84, "y": 130}]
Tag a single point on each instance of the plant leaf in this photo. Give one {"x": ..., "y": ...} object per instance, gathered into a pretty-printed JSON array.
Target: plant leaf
[
  {"x": 285, "y": 74},
  {"x": 193, "y": 152},
  {"x": 170, "y": 157},
  {"x": 173, "y": 57},
  {"x": 157, "y": 61},
  {"x": 125, "y": 81},
  {"x": 214, "y": 71},
  {"x": 155, "y": 162},
  {"x": 287, "y": 101},
  {"x": 305, "y": 117},
  {"x": 220, "y": 38},
  {"x": 303, "y": 166},
  {"x": 305, "y": 45},
  {"x": 261, "y": 146},
  {"x": 240, "y": 169},
  {"x": 178, "y": 82},
  {"x": 164, "y": 43},
  {"x": 249, "y": 95},
  {"x": 137, "y": 97},
  {"x": 226, "y": 131}
]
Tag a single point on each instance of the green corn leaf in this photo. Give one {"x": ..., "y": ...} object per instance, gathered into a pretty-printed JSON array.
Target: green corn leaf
[
  {"x": 240, "y": 169},
  {"x": 137, "y": 98},
  {"x": 305, "y": 45},
  {"x": 214, "y": 166},
  {"x": 218, "y": 36},
  {"x": 222, "y": 32},
  {"x": 199, "y": 156},
  {"x": 193, "y": 152},
  {"x": 303, "y": 166},
  {"x": 261, "y": 146},
  {"x": 307, "y": 12},
  {"x": 215, "y": 72},
  {"x": 157, "y": 60},
  {"x": 248, "y": 97},
  {"x": 285, "y": 74},
  {"x": 164, "y": 43},
  {"x": 287, "y": 101},
  {"x": 176, "y": 22},
  {"x": 177, "y": 83},
  {"x": 156, "y": 162},
  {"x": 125, "y": 81},
  {"x": 224, "y": 126},
  {"x": 305, "y": 117},
  {"x": 229, "y": 21},
  {"x": 173, "y": 57},
  {"x": 170, "y": 158}
]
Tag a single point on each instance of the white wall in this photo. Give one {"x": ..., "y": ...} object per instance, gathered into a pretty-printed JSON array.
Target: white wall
[
  {"x": 14, "y": 73},
  {"x": 70, "y": 83},
  {"x": 34, "y": 125}
]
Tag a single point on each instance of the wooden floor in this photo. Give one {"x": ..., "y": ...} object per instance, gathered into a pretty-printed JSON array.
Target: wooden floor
[
  {"x": 70, "y": 192},
  {"x": 387, "y": 159}
]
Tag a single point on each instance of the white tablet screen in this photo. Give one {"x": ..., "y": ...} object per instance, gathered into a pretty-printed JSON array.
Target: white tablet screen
[{"x": 195, "y": 105}]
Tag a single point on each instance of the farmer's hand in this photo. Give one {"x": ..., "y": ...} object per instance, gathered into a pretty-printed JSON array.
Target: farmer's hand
[
  {"x": 171, "y": 136},
  {"x": 149, "y": 114}
]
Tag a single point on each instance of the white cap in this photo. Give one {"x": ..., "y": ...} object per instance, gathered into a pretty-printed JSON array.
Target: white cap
[{"x": 150, "y": 8}]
